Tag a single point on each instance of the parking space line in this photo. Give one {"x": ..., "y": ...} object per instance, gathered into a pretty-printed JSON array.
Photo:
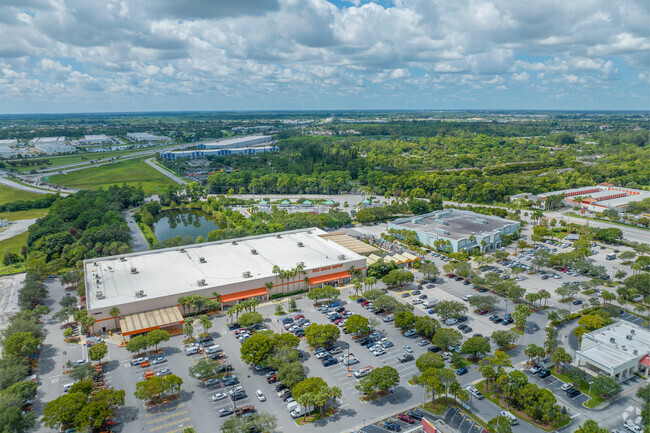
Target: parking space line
[
  {"x": 162, "y": 418},
  {"x": 160, "y": 427},
  {"x": 180, "y": 429},
  {"x": 167, "y": 410}
]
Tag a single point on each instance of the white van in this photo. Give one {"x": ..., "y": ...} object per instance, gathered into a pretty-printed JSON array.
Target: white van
[
  {"x": 67, "y": 387},
  {"x": 510, "y": 417},
  {"x": 213, "y": 349},
  {"x": 431, "y": 303},
  {"x": 192, "y": 350}
]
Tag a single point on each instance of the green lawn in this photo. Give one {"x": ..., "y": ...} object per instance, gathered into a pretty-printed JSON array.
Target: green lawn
[
  {"x": 8, "y": 194},
  {"x": 132, "y": 172},
  {"x": 13, "y": 244},
  {"x": 23, "y": 214}
]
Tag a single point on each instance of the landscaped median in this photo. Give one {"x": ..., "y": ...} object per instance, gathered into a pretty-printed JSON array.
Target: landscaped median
[{"x": 148, "y": 234}]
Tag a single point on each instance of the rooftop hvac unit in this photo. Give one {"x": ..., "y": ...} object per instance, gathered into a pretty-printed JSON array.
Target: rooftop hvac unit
[
  {"x": 612, "y": 340},
  {"x": 182, "y": 250},
  {"x": 636, "y": 352},
  {"x": 100, "y": 294},
  {"x": 632, "y": 331},
  {"x": 234, "y": 242},
  {"x": 481, "y": 220},
  {"x": 301, "y": 264},
  {"x": 122, "y": 259},
  {"x": 139, "y": 294},
  {"x": 202, "y": 259},
  {"x": 341, "y": 257},
  {"x": 201, "y": 282},
  {"x": 278, "y": 236},
  {"x": 253, "y": 251},
  {"x": 308, "y": 232},
  {"x": 134, "y": 270},
  {"x": 629, "y": 337},
  {"x": 300, "y": 244},
  {"x": 246, "y": 274}
]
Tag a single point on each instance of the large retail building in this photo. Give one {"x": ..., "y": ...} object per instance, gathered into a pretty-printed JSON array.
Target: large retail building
[
  {"x": 459, "y": 230},
  {"x": 146, "y": 286}
]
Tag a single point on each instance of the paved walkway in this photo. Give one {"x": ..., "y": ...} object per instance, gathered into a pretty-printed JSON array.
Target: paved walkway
[
  {"x": 138, "y": 242},
  {"x": 167, "y": 173},
  {"x": 17, "y": 228}
]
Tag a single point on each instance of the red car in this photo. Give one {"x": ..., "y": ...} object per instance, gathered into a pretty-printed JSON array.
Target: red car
[
  {"x": 406, "y": 418},
  {"x": 450, "y": 275},
  {"x": 482, "y": 312},
  {"x": 364, "y": 303},
  {"x": 299, "y": 316},
  {"x": 272, "y": 379},
  {"x": 337, "y": 321}
]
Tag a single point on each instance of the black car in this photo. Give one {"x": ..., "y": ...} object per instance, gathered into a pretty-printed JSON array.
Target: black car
[
  {"x": 466, "y": 282},
  {"x": 434, "y": 349},
  {"x": 577, "y": 302},
  {"x": 573, "y": 393},
  {"x": 279, "y": 387},
  {"x": 416, "y": 414},
  {"x": 239, "y": 395},
  {"x": 364, "y": 341},
  {"x": 234, "y": 325},
  {"x": 483, "y": 290},
  {"x": 391, "y": 425},
  {"x": 463, "y": 319},
  {"x": 467, "y": 330},
  {"x": 360, "y": 300},
  {"x": 459, "y": 278},
  {"x": 544, "y": 373},
  {"x": 327, "y": 361},
  {"x": 507, "y": 321},
  {"x": 230, "y": 381},
  {"x": 224, "y": 368}
]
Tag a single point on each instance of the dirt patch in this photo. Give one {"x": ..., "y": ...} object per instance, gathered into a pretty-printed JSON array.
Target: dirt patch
[{"x": 9, "y": 286}]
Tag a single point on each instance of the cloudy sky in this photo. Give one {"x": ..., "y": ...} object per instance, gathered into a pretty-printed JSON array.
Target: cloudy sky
[{"x": 134, "y": 55}]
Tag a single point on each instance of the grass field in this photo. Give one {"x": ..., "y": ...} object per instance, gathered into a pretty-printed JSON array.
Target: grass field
[
  {"x": 13, "y": 244},
  {"x": 8, "y": 194},
  {"x": 23, "y": 214},
  {"x": 132, "y": 172}
]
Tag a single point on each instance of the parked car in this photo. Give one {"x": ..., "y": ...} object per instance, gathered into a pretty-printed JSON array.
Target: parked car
[
  {"x": 219, "y": 396},
  {"x": 405, "y": 358},
  {"x": 565, "y": 387},
  {"x": 391, "y": 425},
  {"x": 461, "y": 371},
  {"x": 423, "y": 343},
  {"x": 406, "y": 418},
  {"x": 226, "y": 411},
  {"x": 634, "y": 428},
  {"x": 211, "y": 382},
  {"x": 159, "y": 360},
  {"x": 451, "y": 321},
  {"x": 536, "y": 369},
  {"x": 410, "y": 333},
  {"x": 434, "y": 349},
  {"x": 544, "y": 373},
  {"x": 408, "y": 348},
  {"x": 572, "y": 393}
]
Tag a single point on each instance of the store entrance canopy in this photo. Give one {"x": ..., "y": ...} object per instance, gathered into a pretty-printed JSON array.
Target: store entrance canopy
[
  {"x": 150, "y": 320},
  {"x": 243, "y": 295},
  {"x": 331, "y": 277}
]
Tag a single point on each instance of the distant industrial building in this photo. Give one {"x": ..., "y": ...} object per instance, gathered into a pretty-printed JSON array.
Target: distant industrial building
[
  {"x": 93, "y": 140},
  {"x": 51, "y": 145},
  {"x": 193, "y": 154},
  {"x": 618, "y": 350},
  {"x": 146, "y": 286},
  {"x": 7, "y": 148},
  {"x": 237, "y": 142},
  {"x": 145, "y": 137},
  {"x": 459, "y": 230},
  {"x": 596, "y": 198}
]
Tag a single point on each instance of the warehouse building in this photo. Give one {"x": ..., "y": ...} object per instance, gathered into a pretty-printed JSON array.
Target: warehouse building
[
  {"x": 618, "y": 350},
  {"x": 458, "y": 230},
  {"x": 596, "y": 198},
  {"x": 7, "y": 147},
  {"x": 202, "y": 153},
  {"x": 146, "y": 286},
  {"x": 229, "y": 143},
  {"x": 94, "y": 140},
  {"x": 145, "y": 137},
  {"x": 51, "y": 145}
]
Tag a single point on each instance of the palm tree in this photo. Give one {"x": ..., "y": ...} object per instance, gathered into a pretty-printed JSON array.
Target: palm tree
[
  {"x": 254, "y": 302},
  {"x": 269, "y": 286},
  {"x": 357, "y": 286},
  {"x": 335, "y": 392},
  {"x": 115, "y": 312}
]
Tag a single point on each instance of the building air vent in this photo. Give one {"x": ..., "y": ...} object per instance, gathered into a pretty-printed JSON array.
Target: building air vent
[
  {"x": 341, "y": 256},
  {"x": 100, "y": 294},
  {"x": 300, "y": 244},
  {"x": 253, "y": 251},
  {"x": 308, "y": 232},
  {"x": 300, "y": 264},
  {"x": 636, "y": 352},
  {"x": 234, "y": 242},
  {"x": 122, "y": 259},
  {"x": 481, "y": 220},
  {"x": 182, "y": 250},
  {"x": 139, "y": 294},
  {"x": 202, "y": 259},
  {"x": 278, "y": 236},
  {"x": 629, "y": 337},
  {"x": 201, "y": 283},
  {"x": 134, "y": 270},
  {"x": 632, "y": 331},
  {"x": 110, "y": 268},
  {"x": 246, "y": 274},
  {"x": 612, "y": 340}
]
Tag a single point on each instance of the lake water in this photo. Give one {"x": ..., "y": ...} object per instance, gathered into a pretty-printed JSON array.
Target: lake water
[{"x": 185, "y": 222}]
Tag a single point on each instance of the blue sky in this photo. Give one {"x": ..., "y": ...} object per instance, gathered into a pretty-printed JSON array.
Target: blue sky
[{"x": 138, "y": 55}]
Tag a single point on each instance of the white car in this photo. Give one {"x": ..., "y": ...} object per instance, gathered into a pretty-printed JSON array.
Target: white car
[
  {"x": 260, "y": 395},
  {"x": 566, "y": 386},
  {"x": 219, "y": 396},
  {"x": 322, "y": 355},
  {"x": 378, "y": 352},
  {"x": 634, "y": 428},
  {"x": 417, "y": 301},
  {"x": 236, "y": 389},
  {"x": 408, "y": 349},
  {"x": 351, "y": 360}
]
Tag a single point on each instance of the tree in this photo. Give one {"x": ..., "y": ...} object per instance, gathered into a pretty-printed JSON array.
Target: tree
[
  {"x": 157, "y": 336},
  {"x": 249, "y": 319},
  {"x": 371, "y": 294},
  {"x": 206, "y": 324},
  {"x": 63, "y": 410},
  {"x": 533, "y": 351},
  {"x": 404, "y": 320},
  {"x": 291, "y": 373},
  {"x": 115, "y": 312},
  {"x": 356, "y": 283},
  {"x": 204, "y": 369},
  {"x": 188, "y": 330},
  {"x": 137, "y": 344},
  {"x": 82, "y": 372},
  {"x": 379, "y": 379},
  {"x": 148, "y": 389},
  {"x": 476, "y": 346},
  {"x": 310, "y": 385},
  {"x": 368, "y": 282},
  {"x": 449, "y": 309},
  {"x": 591, "y": 426},
  {"x": 483, "y": 302},
  {"x": 579, "y": 332},
  {"x": 594, "y": 321},
  {"x": 257, "y": 348},
  {"x": 500, "y": 424},
  {"x": 504, "y": 339},
  {"x": 426, "y": 326},
  {"x": 447, "y": 338},
  {"x": 321, "y": 335},
  {"x": 21, "y": 344},
  {"x": 97, "y": 351},
  {"x": 357, "y": 324},
  {"x": 560, "y": 356},
  {"x": 605, "y": 386},
  {"x": 522, "y": 311},
  {"x": 430, "y": 270},
  {"x": 172, "y": 384},
  {"x": 429, "y": 360},
  {"x": 398, "y": 277}
]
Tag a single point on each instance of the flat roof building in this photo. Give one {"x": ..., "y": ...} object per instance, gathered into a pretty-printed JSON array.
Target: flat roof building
[
  {"x": 96, "y": 139},
  {"x": 596, "y": 198},
  {"x": 51, "y": 145},
  {"x": 140, "y": 137},
  {"x": 202, "y": 153},
  {"x": 618, "y": 350},
  {"x": 227, "y": 143},
  {"x": 7, "y": 147},
  {"x": 235, "y": 269},
  {"x": 454, "y": 228}
]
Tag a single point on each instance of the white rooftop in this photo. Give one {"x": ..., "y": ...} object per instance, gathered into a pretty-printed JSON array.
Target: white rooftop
[
  {"x": 610, "y": 346},
  {"x": 237, "y": 141},
  {"x": 169, "y": 271},
  {"x": 96, "y": 137}
]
